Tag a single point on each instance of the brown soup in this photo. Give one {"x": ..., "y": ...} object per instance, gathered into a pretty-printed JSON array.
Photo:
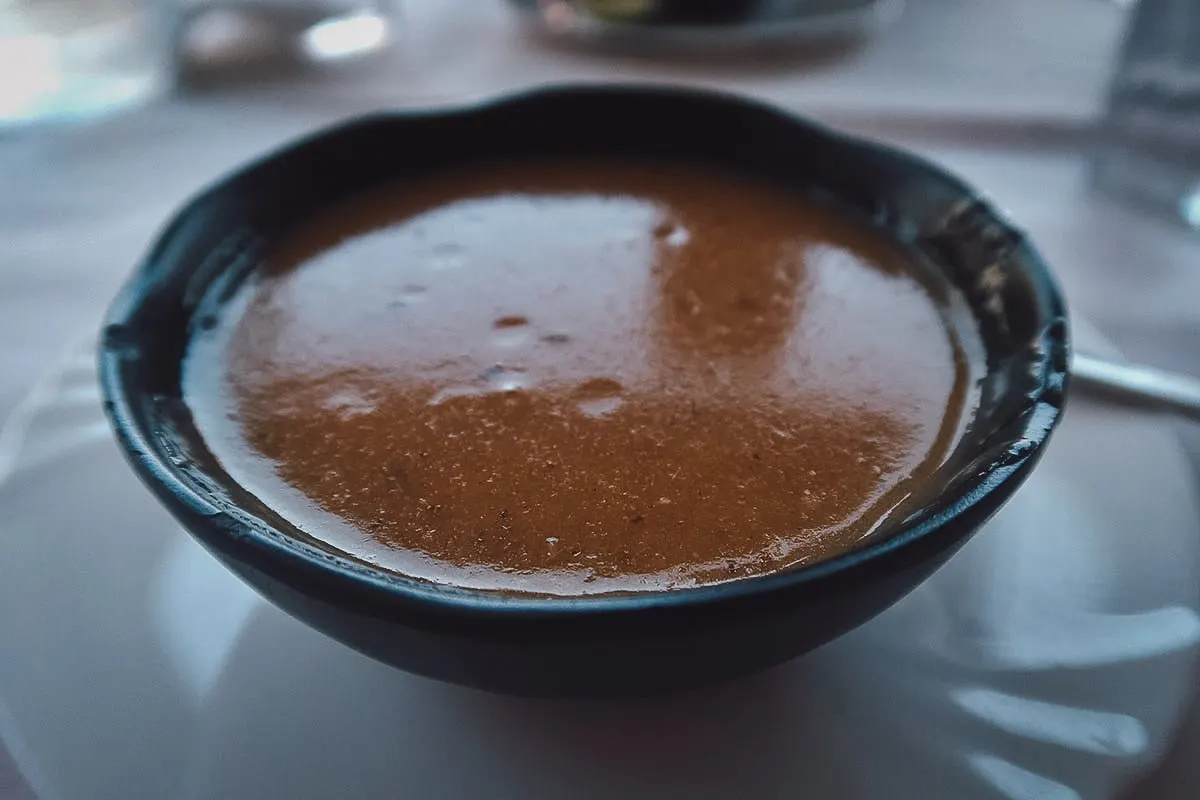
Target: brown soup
[{"x": 577, "y": 377}]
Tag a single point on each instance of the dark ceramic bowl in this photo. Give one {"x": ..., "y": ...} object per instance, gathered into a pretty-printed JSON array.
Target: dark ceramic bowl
[{"x": 607, "y": 644}]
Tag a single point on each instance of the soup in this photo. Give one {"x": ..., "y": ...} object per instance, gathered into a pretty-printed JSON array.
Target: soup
[{"x": 578, "y": 377}]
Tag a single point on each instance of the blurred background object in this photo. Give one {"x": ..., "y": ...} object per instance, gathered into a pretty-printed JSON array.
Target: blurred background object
[
  {"x": 79, "y": 59},
  {"x": 236, "y": 33},
  {"x": 1149, "y": 153},
  {"x": 706, "y": 24}
]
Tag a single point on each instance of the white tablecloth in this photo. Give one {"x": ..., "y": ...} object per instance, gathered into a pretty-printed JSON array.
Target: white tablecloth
[{"x": 1004, "y": 93}]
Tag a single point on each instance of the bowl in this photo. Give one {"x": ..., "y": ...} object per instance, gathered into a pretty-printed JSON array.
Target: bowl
[{"x": 609, "y": 644}]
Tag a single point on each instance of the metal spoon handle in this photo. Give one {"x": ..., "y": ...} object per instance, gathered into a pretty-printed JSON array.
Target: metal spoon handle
[{"x": 1137, "y": 385}]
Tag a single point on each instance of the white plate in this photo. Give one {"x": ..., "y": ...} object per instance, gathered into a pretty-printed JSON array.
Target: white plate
[{"x": 1052, "y": 658}]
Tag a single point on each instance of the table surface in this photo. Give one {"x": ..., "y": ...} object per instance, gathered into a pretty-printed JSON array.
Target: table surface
[{"x": 1004, "y": 93}]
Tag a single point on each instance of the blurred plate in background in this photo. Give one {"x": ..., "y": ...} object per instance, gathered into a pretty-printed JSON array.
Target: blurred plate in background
[{"x": 707, "y": 25}]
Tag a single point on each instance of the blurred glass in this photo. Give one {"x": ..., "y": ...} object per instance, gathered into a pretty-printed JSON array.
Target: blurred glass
[
  {"x": 78, "y": 58},
  {"x": 1149, "y": 154},
  {"x": 75, "y": 59},
  {"x": 314, "y": 30}
]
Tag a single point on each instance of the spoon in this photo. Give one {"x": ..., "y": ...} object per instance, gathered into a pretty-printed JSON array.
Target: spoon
[{"x": 1137, "y": 385}]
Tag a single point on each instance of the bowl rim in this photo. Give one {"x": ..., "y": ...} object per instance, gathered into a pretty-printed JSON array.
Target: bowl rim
[{"x": 248, "y": 540}]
